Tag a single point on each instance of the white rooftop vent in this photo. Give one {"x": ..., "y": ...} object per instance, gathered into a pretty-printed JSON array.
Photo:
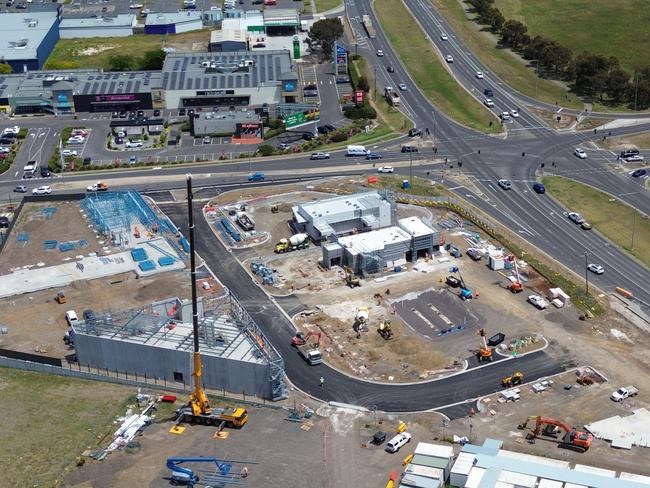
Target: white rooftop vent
[{"x": 32, "y": 23}]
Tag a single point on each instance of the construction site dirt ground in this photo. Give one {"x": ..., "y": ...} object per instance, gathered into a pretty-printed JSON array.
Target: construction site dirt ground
[
  {"x": 577, "y": 407},
  {"x": 25, "y": 243}
]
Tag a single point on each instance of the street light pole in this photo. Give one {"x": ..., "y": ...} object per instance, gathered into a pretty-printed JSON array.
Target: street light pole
[
  {"x": 375, "y": 77},
  {"x": 633, "y": 228},
  {"x": 586, "y": 274},
  {"x": 636, "y": 88},
  {"x": 411, "y": 168}
]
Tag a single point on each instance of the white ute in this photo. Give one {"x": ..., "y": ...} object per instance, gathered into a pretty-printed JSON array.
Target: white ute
[{"x": 623, "y": 393}]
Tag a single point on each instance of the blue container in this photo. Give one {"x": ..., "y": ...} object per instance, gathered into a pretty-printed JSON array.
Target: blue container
[{"x": 406, "y": 184}]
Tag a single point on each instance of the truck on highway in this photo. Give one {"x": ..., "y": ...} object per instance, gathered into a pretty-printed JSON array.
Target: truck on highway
[
  {"x": 370, "y": 29},
  {"x": 293, "y": 243},
  {"x": 392, "y": 97},
  {"x": 623, "y": 393}
]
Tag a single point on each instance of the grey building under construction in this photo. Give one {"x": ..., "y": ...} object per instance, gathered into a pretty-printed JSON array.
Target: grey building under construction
[{"x": 156, "y": 342}]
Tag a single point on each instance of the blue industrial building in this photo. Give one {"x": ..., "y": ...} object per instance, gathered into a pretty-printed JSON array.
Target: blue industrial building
[{"x": 27, "y": 39}]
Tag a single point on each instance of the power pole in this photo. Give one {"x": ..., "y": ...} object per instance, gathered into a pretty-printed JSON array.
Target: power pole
[
  {"x": 411, "y": 168},
  {"x": 375, "y": 92},
  {"x": 586, "y": 274}
]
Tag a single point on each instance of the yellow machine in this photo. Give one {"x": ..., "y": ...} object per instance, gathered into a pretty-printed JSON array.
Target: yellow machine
[
  {"x": 350, "y": 279},
  {"x": 514, "y": 380},
  {"x": 60, "y": 298},
  {"x": 385, "y": 330}
]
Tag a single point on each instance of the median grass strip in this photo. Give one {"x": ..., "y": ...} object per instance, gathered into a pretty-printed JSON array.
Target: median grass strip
[
  {"x": 325, "y": 5},
  {"x": 510, "y": 68},
  {"x": 620, "y": 223},
  {"x": 425, "y": 67}
]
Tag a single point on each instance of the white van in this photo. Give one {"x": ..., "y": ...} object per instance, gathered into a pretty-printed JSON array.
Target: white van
[
  {"x": 71, "y": 317},
  {"x": 356, "y": 151}
]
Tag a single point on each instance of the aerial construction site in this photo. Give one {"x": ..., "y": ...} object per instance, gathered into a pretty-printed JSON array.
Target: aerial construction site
[{"x": 368, "y": 337}]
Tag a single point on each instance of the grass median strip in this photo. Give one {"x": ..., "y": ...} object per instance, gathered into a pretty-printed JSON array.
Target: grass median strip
[
  {"x": 425, "y": 67},
  {"x": 620, "y": 223}
]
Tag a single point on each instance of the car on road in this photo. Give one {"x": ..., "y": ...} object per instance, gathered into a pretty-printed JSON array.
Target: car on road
[
  {"x": 576, "y": 218},
  {"x": 45, "y": 172},
  {"x": 4, "y": 222},
  {"x": 629, "y": 152},
  {"x": 99, "y": 186},
  {"x": 207, "y": 140},
  {"x": 596, "y": 268},
  {"x": 156, "y": 113},
  {"x": 380, "y": 53},
  {"x": 505, "y": 184},
  {"x": 538, "y": 302},
  {"x": 479, "y": 75},
  {"x": 402, "y": 86},
  {"x": 449, "y": 58},
  {"x": 539, "y": 188},
  {"x": 415, "y": 132},
  {"x": 42, "y": 190},
  {"x": 514, "y": 113},
  {"x": 504, "y": 116},
  {"x": 181, "y": 111},
  {"x": 135, "y": 6},
  {"x": 20, "y": 189},
  {"x": 257, "y": 176},
  {"x": 390, "y": 69},
  {"x": 320, "y": 155},
  {"x": 397, "y": 442},
  {"x": 634, "y": 158},
  {"x": 638, "y": 172},
  {"x": 488, "y": 92},
  {"x": 409, "y": 149},
  {"x": 585, "y": 225},
  {"x": 488, "y": 102},
  {"x": 372, "y": 155},
  {"x": 385, "y": 169},
  {"x": 580, "y": 153},
  {"x": 444, "y": 37}
]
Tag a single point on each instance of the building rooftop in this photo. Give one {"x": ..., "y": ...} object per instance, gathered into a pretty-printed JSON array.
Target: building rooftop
[
  {"x": 184, "y": 71},
  {"x": 22, "y": 33},
  {"x": 121, "y": 20},
  {"x": 281, "y": 17},
  {"x": 332, "y": 207},
  {"x": 229, "y": 34},
  {"x": 415, "y": 227},
  {"x": 375, "y": 240},
  {"x": 173, "y": 17}
]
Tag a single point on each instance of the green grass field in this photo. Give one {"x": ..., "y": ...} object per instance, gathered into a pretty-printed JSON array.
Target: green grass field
[
  {"x": 426, "y": 68},
  {"x": 613, "y": 219},
  {"x": 611, "y": 28},
  {"x": 503, "y": 63},
  {"x": 325, "y": 5},
  {"x": 95, "y": 52},
  {"x": 50, "y": 421}
]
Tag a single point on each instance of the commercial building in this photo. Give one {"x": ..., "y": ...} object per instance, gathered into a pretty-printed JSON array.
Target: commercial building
[
  {"x": 82, "y": 27},
  {"x": 343, "y": 215},
  {"x": 173, "y": 23},
  {"x": 156, "y": 341},
  {"x": 281, "y": 22},
  {"x": 228, "y": 40},
  {"x": 244, "y": 125},
  {"x": 489, "y": 466},
  {"x": 27, "y": 39}
]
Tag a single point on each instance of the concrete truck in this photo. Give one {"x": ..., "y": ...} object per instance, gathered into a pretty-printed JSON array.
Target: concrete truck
[{"x": 293, "y": 243}]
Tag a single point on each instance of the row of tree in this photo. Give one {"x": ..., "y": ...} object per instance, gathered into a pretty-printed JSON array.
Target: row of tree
[
  {"x": 591, "y": 74},
  {"x": 151, "y": 60}
]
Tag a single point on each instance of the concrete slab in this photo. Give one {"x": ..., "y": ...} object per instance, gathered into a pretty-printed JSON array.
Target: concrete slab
[
  {"x": 28, "y": 280},
  {"x": 634, "y": 429}
]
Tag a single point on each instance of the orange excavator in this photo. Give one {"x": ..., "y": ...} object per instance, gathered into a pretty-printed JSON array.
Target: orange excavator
[
  {"x": 301, "y": 339},
  {"x": 516, "y": 286},
  {"x": 484, "y": 352},
  {"x": 570, "y": 438}
]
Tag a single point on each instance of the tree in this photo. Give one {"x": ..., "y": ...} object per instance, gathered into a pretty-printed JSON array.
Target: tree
[
  {"x": 617, "y": 84},
  {"x": 592, "y": 72},
  {"x": 513, "y": 33},
  {"x": 324, "y": 34},
  {"x": 534, "y": 48},
  {"x": 639, "y": 89},
  {"x": 5, "y": 68},
  {"x": 265, "y": 150},
  {"x": 153, "y": 60},
  {"x": 363, "y": 84},
  {"x": 121, "y": 62},
  {"x": 496, "y": 20}
]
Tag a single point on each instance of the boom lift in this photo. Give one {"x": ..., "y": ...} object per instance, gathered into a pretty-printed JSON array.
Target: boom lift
[
  {"x": 198, "y": 409},
  {"x": 485, "y": 352},
  {"x": 571, "y": 438},
  {"x": 516, "y": 286},
  {"x": 465, "y": 292}
]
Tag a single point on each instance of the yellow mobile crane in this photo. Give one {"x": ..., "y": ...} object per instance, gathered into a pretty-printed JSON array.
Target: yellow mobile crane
[{"x": 198, "y": 410}]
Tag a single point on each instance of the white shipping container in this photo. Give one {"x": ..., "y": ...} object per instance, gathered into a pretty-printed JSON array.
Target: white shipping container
[
  {"x": 573, "y": 485},
  {"x": 435, "y": 450},
  {"x": 416, "y": 481},
  {"x": 518, "y": 479},
  {"x": 462, "y": 467},
  {"x": 474, "y": 478},
  {"x": 501, "y": 484},
  {"x": 544, "y": 483},
  {"x": 426, "y": 471},
  {"x": 594, "y": 470},
  {"x": 635, "y": 477}
]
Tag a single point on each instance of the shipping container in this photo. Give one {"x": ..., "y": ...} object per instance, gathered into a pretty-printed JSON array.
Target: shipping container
[
  {"x": 461, "y": 468},
  {"x": 544, "y": 483},
  {"x": 435, "y": 450},
  {"x": 426, "y": 471},
  {"x": 518, "y": 480},
  {"x": 432, "y": 462},
  {"x": 414, "y": 481},
  {"x": 474, "y": 478}
]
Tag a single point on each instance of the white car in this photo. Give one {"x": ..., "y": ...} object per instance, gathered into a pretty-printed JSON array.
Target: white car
[
  {"x": 385, "y": 169},
  {"x": 135, "y": 6},
  {"x": 380, "y": 53},
  {"x": 575, "y": 217},
  {"x": 538, "y": 302},
  {"x": 488, "y": 102},
  {"x": 11, "y": 130},
  {"x": 76, "y": 140},
  {"x": 66, "y": 153},
  {"x": 402, "y": 86},
  {"x": 580, "y": 153},
  {"x": 634, "y": 158},
  {"x": 136, "y": 143},
  {"x": 505, "y": 184},
  {"x": 398, "y": 441},
  {"x": 4, "y": 150},
  {"x": 514, "y": 113},
  {"x": 71, "y": 317},
  {"x": 479, "y": 75},
  {"x": 42, "y": 190},
  {"x": 449, "y": 58},
  {"x": 505, "y": 116},
  {"x": 443, "y": 37},
  {"x": 596, "y": 268}
]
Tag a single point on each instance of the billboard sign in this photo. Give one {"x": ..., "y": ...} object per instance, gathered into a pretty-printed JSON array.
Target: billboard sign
[
  {"x": 358, "y": 97},
  {"x": 114, "y": 98},
  {"x": 293, "y": 120}
]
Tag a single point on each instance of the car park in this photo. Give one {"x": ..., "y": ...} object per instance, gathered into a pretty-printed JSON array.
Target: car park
[
  {"x": 140, "y": 113},
  {"x": 320, "y": 155},
  {"x": 115, "y": 115},
  {"x": 488, "y": 102},
  {"x": 397, "y": 442},
  {"x": 638, "y": 172},
  {"x": 42, "y": 190},
  {"x": 385, "y": 169},
  {"x": 6, "y": 140},
  {"x": 321, "y": 129},
  {"x": 474, "y": 253},
  {"x": 539, "y": 188},
  {"x": 257, "y": 176},
  {"x": 71, "y": 317},
  {"x": 479, "y": 75},
  {"x": 505, "y": 184},
  {"x": 123, "y": 115},
  {"x": 372, "y": 155},
  {"x": 402, "y": 86},
  {"x": 576, "y": 218},
  {"x": 596, "y": 268},
  {"x": 119, "y": 140},
  {"x": 634, "y": 158},
  {"x": 330, "y": 127},
  {"x": 538, "y": 302},
  {"x": 181, "y": 112},
  {"x": 579, "y": 152},
  {"x": 307, "y": 136},
  {"x": 134, "y": 143},
  {"x": 449, "y": 58},
  {"x": 380, "y": 53},
  {"x": 444, "y": 37},
  {"x": 20, "y": 189},
  {"x": 87, "y": 161},
  {"x": 415, "y": 132},
  {"x": 409, "y": 149},
  {"x": 514, "y": 113}
]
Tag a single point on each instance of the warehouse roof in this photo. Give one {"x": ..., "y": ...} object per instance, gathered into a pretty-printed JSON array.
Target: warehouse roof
[
  {"x": 238, "y": 35},
  {"x": 415, "y": 227},
  {"x": 333, "y": 207},
  {"x": 121, "y": 20},
  {"x": 375, "y": 240},
  {"x": 183, "y": 71},
  {"x": 173, "y": 18},
  {"x": 281, "y": 17},
  {"x": 22, "y": 34}
]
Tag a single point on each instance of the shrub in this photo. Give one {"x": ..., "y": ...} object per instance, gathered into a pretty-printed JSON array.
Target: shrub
[
  {"x": 364, "y": 112},
  {"x": 265, "y": 150},
  {"x": 339, "y": 136}
]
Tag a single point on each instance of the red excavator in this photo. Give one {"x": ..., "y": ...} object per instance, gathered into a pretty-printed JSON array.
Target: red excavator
[
  {"x": 515, "y": 286},
  {"x": 570, "y": 438},
  {"x": 300, "y": 339}
]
